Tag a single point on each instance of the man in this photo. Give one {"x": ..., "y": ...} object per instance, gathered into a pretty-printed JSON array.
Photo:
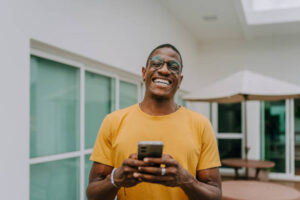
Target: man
[{"x": 190, "y": 157}]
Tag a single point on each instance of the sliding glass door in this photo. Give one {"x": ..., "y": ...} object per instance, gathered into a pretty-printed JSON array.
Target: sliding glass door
[
  {"x": 273, "y": 145},
  {"x": 297, "y": 135}
]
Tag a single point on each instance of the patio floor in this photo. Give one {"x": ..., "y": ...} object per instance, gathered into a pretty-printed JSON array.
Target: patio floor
[{"x": 293, "y": 184}]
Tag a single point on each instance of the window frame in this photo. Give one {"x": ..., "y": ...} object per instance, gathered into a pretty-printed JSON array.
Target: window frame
[
  {"x": 97, "y": 68},
  {"x": 219, "y": 135}
]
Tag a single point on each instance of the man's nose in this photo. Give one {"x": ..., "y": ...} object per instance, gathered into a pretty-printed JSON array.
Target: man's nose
[{"x": 164, "y": 69}]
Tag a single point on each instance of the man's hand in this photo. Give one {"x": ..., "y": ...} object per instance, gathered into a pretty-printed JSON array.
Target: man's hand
[
  {"x": 175, "y": 174},
  {"x": 123, "y": 176}
]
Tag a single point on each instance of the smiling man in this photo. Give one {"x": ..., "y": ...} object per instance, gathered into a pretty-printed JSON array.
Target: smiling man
[{"x": 190, "y": 157}]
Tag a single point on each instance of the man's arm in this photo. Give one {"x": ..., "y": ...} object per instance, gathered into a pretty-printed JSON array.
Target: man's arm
[
  {"x": 100, "y": 186},
  {"x": 206, "y": 186}
]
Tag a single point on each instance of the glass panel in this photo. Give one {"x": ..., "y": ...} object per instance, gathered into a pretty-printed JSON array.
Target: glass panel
[
  {"x": 230, "y": 148},
  {"x": 274, "y": 134},
  {"x": 99, "y": 101},
  {"x": 54, "y": 107},
  {"x": 128, "y": 94},
  {"x": 230, "y": 118},
  {"x": 88, "y": 165},
  {"x": 297, "y": 136},
  {"x": 57, "y": 180}
]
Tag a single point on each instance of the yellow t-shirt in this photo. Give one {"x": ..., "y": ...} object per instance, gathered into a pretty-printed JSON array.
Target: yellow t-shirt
[{"x": 187, "y": 136}]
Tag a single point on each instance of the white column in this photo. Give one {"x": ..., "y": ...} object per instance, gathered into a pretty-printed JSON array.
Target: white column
[{"x": 14, "y": 105}]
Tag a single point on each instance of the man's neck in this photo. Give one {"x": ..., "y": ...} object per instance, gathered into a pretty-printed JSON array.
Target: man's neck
[{"x": 158, "y": 107}]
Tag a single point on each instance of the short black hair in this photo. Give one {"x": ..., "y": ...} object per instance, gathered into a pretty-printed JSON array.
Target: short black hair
[{"x": 167, "y": 45}]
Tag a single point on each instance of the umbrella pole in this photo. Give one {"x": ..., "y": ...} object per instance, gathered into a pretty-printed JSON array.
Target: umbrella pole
[
  {"x": 246, "y": 135},
  {"x": 245, "y": 130}
]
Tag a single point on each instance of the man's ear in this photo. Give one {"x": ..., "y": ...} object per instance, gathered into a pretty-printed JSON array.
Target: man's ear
[
  {"x": 144, "y": 72},
  {"x": 180, "y": 80}
]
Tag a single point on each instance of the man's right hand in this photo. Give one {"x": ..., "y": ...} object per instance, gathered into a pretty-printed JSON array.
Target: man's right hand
[
  {"x": 100, "y": 186},
  {"x": 123, "y": 176}
]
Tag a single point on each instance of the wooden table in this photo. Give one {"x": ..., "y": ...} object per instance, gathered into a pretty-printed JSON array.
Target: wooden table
[
  {"x": 237, "y": 163},
  {"x": 257, "y": 190}
]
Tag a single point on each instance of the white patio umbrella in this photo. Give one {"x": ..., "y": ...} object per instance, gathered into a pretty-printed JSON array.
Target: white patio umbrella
[{"x": 244, "y": 86}]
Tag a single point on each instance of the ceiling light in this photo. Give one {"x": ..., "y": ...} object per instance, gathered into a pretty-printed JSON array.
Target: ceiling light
[{"x": 210, "y": 18}]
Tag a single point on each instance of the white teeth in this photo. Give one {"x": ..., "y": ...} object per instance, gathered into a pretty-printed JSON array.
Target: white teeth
[{"x": 162, "y": 81}]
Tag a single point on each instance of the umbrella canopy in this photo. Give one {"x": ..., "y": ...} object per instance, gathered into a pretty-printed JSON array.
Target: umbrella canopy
[{"x": 245, "y": 85}]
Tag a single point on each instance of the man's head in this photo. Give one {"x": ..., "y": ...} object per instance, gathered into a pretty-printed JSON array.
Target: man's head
[{"x": 162, "y": 74}]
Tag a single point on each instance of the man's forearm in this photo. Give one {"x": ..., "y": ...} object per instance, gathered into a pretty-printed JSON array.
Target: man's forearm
[
  {"x": 101, "y": 190},
  {"x": 196, "y": 190}
]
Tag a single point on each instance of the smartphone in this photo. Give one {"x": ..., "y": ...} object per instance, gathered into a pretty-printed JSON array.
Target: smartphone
[{"x": 151, "y": 149}]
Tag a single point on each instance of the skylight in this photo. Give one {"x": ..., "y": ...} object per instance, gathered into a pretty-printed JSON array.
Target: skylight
[
  {"x": 271, "y": 11},
  {"x": 262, "y": 5}
]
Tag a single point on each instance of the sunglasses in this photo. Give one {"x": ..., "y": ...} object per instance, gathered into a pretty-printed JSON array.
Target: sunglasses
[{"x": 157, "y": 62}]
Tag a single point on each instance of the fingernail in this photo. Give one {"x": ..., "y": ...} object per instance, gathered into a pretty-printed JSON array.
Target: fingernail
[
  {"x": 146, "y": 159},
  {"x": 135, "y": 174},
  {"x": 139, "y": 168}
]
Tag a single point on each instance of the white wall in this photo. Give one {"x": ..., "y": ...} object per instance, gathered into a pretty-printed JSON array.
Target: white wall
[
  {"x": 253, "y": 129},
  {"x": 14, "y": 107},
  {"x": 120, "y": 33},
  {"x": 274, "y": 56},
  {"x": 201, "y": 107}
]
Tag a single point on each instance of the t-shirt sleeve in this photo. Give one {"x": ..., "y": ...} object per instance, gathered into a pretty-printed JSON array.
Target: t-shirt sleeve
[
  {"x": 209, "y": 156},
  {"x": 102, "y": 150}
]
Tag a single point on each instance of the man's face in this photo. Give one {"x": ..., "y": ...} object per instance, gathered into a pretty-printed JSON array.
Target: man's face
[{"x": 163, "y": 73}]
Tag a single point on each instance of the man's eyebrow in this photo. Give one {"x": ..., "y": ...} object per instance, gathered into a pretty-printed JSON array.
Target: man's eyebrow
[
  {"x": 174, "y": 61},
  {"x": 159, "y": 58},
  {"x": 156, "y": 58}
]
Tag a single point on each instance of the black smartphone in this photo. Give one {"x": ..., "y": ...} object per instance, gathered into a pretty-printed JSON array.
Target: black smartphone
[{"x": 151, "y": 149}]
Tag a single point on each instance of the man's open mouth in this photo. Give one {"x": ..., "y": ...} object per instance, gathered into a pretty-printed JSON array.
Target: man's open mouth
[{"x": 161, "y": 82}]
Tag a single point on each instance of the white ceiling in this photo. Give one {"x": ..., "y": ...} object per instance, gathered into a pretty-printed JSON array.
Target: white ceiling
[{"x": 230, "y": 22}]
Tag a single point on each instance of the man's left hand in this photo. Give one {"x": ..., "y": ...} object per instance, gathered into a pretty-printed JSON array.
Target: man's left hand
[{"x": 175, "y": 174}]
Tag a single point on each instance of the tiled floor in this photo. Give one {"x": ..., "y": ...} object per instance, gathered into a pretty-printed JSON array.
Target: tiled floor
[{"x": 293, "y": 184}]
